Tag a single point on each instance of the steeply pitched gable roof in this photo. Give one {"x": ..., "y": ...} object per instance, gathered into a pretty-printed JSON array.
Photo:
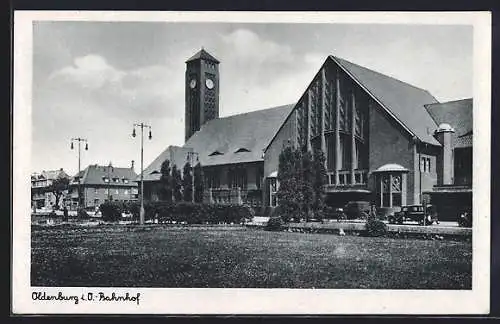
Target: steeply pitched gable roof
[
  {"x": 94, "y": 175},
  {"x": 403, "y": 101},
  {"x": 175, "y": 154},
  {"x": 204, "y": 55},
  {"x": 250, "y": 131}
]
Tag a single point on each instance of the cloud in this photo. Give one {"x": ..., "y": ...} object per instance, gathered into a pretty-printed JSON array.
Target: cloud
[
  {"x": 261, "y": 72},
  {"x": 248, "y": 47},
  {"x": 123, "y": 93}
]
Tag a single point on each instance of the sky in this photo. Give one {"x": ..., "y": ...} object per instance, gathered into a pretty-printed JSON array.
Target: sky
[{"x": 96, "y": 79}]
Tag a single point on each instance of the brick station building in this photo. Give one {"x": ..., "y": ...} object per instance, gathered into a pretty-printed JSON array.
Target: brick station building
[{"x": 384, "y": 140}]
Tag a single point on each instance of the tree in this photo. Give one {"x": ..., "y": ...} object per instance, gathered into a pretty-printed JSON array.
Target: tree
[
  {"x": 307, "y": 180},
  {"x": 177, "y": 183},
  {"x": 58, "y": 187},
  {"x": 198, "y": 183},
  {"x": 320, "y": 180},
  {"x": 187, "y": 182},
  {"x": 289, "y": 192},
  {"x": 166, "y": 181},
  {"x": 301, "y": 177}
]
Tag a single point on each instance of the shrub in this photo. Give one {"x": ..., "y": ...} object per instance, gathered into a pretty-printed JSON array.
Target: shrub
[
  {"x": 82, "y": 214},
  {"x": 275, "y": 223},
  {"x": 111, "y": 211},
  {"x": 197, "y": 213},
  {"x": 375, "y": 228}
]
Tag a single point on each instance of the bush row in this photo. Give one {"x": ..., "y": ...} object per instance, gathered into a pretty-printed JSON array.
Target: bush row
[{"x": 190, "y": 213}]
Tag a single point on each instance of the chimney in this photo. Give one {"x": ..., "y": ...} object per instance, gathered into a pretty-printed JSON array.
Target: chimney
[{"x": 443, "y": 135}]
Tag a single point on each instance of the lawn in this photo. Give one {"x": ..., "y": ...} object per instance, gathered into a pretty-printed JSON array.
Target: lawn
[{"x": 238, "y": 257}]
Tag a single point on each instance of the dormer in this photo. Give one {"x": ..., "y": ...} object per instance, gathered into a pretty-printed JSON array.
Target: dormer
[{"x": 215, "y": 153}]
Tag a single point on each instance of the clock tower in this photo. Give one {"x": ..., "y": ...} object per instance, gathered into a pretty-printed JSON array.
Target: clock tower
[{"x": 202, "y": 91}]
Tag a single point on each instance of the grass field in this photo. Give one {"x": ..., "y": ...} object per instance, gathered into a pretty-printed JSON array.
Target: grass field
[{"x": 237, "y": 257}]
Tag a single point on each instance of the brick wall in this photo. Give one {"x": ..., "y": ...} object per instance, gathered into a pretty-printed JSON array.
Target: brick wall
[
  {"x": 287, "y": 134},
  {"x": 389, "y": 143}
]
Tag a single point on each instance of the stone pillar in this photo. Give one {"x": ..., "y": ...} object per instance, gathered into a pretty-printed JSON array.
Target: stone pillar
[
  {"x": 390, "y": 189},
  {"x": 323, "y": 108},
  {"x": 353, "y": 138},
  {"x": 337, "y": 127},
  {"x": 403, "y": 189},
  {"x": 443, "y": 135},
  {"x": 416, "y": 174},
  {"x": 308, "y": 139},
  {"x": 380, "y": 179}
]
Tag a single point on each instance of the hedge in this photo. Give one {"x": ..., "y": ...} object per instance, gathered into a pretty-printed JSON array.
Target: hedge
[
  {"x": 181, "y": 212},
  {"x": 374, "y": 228}
]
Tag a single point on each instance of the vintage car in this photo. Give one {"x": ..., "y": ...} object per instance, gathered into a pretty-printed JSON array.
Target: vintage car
[
  {"x": 424, "y": 215},
  {"x": 465, "y": 219}
]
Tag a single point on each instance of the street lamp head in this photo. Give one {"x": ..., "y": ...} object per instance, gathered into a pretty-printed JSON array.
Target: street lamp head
[
  {"x": 133, "y": 132},
  {"x": 150, "y": 135},
  {"x": 86, "y": 146},
  {"x": 72, "y": 145}
]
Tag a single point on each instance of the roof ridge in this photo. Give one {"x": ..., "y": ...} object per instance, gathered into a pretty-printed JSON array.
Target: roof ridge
[
  {"x": 383, "y": 74},
  {"x": 254, "y": 111},
  {"x": 448, "y": 102}
]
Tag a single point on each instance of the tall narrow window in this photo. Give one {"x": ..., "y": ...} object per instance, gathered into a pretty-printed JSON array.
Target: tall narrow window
[{"x": 273, "y": 192}]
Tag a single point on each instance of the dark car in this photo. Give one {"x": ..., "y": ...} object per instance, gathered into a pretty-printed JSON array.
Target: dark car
[
  {"x": 465, "y": 219},
  {"x": 424, "y": 215}
]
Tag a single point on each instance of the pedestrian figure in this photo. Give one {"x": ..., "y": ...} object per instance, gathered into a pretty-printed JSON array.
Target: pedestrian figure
[
  {"x": 65, "y": 214},
  {"x": 373, "y": 212}
]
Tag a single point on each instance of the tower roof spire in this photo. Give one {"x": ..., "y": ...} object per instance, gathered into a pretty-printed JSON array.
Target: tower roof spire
[{"x": 203, "y": 55}]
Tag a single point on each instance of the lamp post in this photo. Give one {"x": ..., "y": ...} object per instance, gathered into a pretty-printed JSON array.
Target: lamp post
[
  {"x": 79, "y": 140},
  {"x": 142, "y": 126},
  {"x": 110, "y": 166},
  {"x": 190, "y": 158}
]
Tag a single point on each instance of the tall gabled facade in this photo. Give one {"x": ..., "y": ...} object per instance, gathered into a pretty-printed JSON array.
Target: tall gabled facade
[{"x": 379, "y": 141}]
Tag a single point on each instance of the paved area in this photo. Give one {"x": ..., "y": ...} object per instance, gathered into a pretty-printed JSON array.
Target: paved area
[{"x": 443, "y": 228}]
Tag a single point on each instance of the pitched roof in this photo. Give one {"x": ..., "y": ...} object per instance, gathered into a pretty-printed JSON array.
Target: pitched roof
[
  {"x": 463, "y": 141},
  {"x": 403, "y": 101},
  {"x": 50, "y": 175},
  {"x": 202, "y": 54},
  {"x": 175, "y": 154},
  {"x": 457, "y": 113},
  {"x": 95, "y": 174},
  {"x": 238, "y": 138}
]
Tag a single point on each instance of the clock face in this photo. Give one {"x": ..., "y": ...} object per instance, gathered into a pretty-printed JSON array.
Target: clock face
[
  {"x": 209, "y": 83},
  {"x": 192, "y": 84}
]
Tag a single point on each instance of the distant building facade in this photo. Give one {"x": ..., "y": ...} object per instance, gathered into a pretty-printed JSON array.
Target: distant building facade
[
  {"x": 41, "y": 195},
  {"x": 101, "y": 183},
  {"x": 384, "y": 140}
]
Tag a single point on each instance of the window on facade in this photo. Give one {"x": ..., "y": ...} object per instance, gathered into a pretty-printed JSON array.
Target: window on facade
[
  {"x": 96, "y": 190},
  {"x": 96, "y": 202},
  {"x": 425, "y": 164},
  {"x": 105, "y": 179},
  {"x": 390, "y": 190},
  {"x": 258, "y": 178},
  {"x": 345, "y": 151},
  {"x": 126, "y": 192},
  {"x": 238, "y": 178},
  {"x": 273, "y": 192},
  {"x": 125, "y": 180}
]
